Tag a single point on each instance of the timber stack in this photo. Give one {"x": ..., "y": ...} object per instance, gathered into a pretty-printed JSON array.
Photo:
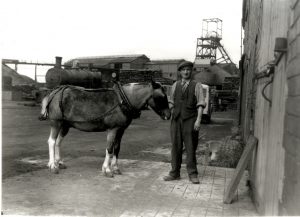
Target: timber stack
[{"x": 142, "y": 76}]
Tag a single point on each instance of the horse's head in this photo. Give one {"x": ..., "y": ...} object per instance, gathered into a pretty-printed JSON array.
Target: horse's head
[{"x": 159, "y": 101}]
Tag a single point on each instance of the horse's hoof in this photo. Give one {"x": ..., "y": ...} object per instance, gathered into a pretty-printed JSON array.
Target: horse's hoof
[
  {"x": 117, "y": 172},
  {"x": 62, "y": 166},
  {"x": 54, "y": 170},
  {"x": 42, "y": 117},
  {"x": 108, "y": 174}
]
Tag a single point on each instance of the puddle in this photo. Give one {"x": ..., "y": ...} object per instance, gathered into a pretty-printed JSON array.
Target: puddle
[
  {"x": 160, "y": 151},
  {"x": 36, "y": 161}
]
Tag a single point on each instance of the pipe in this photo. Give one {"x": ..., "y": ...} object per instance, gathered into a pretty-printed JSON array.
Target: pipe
[
  {"x": 263, "y": 91},
  {"x": 265, "y": 73},
  {"x": 278, "y": 58}
]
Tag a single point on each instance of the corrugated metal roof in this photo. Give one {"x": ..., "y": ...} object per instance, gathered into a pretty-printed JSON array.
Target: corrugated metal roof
[
  {"x": 111, "y": 56},
  {"x": 104, "y": 60},
  {"x": 127, "y": 59},
  {"x": 166, "y": 61}
]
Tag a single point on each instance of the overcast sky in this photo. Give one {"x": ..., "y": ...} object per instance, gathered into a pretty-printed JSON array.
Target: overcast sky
[{"x": 39, "y": 30}]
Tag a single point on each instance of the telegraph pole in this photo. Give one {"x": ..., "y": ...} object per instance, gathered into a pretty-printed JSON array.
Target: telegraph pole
[
  {"x": 241, "y": 38},
  {"x": 35, "y": 73}
]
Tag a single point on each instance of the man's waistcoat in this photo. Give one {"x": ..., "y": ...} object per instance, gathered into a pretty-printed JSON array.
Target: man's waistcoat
[{"x": 185, "y": 103}]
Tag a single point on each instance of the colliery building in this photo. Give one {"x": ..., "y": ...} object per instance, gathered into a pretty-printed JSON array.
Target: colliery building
[
  {"x": 112, "y": 62},
  {"x": 168, "y": 67},
  {"x": 210, "y": 74}
]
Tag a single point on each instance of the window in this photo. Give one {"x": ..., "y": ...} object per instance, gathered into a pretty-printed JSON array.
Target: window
[{"x": 118, "y": 66}]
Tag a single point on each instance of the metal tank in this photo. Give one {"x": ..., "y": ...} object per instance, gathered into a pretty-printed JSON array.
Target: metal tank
[{"x": 78, "y": 76}]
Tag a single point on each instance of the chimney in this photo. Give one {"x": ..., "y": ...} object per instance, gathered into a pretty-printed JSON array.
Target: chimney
[
  {"x": 58, "y": 62},
  {"x": 75, "y": 64}
]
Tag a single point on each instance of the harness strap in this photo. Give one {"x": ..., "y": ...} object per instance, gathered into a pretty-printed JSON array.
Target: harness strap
[
  {"x": 50, "y": 100},
  {"x": 52, "y": 96},
  {"x": 61, "y": 101},
  {"x": 125, "y": 105},
  {"x": 62, "y": 89}
]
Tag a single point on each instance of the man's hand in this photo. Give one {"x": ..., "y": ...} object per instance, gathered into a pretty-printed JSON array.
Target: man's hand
[
  {"x": 171, "y": 110},
  {"x": 197, "y": 125}
]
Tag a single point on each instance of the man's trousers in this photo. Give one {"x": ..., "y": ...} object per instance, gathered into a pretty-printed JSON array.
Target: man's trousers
[{"x": 182, "y": 131}]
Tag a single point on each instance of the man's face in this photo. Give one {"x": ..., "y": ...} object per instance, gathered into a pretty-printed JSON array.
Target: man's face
[{"x": 186, "y": 72}]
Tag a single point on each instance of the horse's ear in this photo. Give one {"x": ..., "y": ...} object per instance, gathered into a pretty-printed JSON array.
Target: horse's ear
[{"x": 153, "y": 83}]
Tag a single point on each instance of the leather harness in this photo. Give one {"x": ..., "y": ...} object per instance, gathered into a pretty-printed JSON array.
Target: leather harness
[{"x": 126, "y": 107}]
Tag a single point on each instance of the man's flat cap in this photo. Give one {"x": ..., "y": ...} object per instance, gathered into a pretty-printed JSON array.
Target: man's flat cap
[{"x": 184, "y": 64}]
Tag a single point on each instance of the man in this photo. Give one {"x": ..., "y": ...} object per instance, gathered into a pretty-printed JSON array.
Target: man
[{"x": 187, "y": 103}]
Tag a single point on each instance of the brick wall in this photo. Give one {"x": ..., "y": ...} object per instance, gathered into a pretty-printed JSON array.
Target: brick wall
[{"x": 291, "y": 189}]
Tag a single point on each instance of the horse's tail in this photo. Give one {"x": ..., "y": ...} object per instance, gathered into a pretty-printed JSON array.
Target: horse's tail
[
  {"x": 48, "y": 99},
  {"x": 44, "y": 111}
]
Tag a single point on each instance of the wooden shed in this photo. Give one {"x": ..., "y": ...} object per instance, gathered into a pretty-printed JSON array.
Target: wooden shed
[
  {"x": 270, "y": 102},
  {"x": 167, "y": 66}
]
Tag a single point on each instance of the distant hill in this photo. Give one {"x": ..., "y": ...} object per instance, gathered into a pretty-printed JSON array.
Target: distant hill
[{"x": 17, "y": 79}]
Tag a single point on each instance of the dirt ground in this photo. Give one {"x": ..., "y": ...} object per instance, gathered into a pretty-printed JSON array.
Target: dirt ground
[
  {"x": 28, "y": 188},
  {"x": 24, "y": 138}
]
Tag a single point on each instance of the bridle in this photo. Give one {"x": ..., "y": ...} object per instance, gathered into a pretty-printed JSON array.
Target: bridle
[{"x": 127, "y": 107}]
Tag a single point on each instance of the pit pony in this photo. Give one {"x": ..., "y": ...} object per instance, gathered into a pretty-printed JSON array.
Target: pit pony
[{"x": 99, "y": 110}]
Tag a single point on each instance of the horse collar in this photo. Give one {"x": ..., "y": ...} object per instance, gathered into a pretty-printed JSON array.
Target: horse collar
[{"x": 127, "y": 108}]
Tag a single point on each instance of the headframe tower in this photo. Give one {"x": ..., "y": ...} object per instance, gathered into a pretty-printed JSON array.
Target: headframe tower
[{"x": 209, "y": 43}]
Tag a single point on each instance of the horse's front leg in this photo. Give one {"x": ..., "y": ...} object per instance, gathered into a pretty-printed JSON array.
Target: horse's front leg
[
  {"x": 114, "y": 163},
  {"x": 106, "y": 167}
]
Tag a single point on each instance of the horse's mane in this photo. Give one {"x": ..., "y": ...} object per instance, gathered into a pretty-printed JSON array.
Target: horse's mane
[
  {"x": 155, "y": 84},
  {"x": 136, "y": 83}
]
